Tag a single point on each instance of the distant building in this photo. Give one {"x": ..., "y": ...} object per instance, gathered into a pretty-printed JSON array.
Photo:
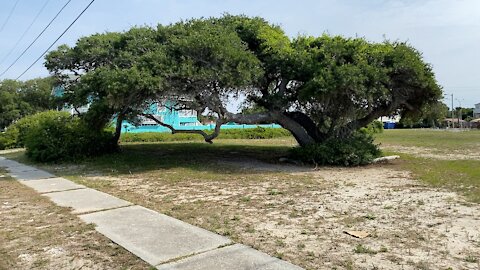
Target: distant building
[
  {"x": 476, "y": 111},
  {"x": 389, "y": 122},
  {"x": 177, "y": 118}
]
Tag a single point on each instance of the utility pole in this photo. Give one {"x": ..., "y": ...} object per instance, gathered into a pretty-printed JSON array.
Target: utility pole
[{"x": 452, "y": 107}]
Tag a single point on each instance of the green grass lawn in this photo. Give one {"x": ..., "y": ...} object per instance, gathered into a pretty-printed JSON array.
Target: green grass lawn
[
  {"x": 438, "y": 140},
  {"x": 459, "y": 175}
]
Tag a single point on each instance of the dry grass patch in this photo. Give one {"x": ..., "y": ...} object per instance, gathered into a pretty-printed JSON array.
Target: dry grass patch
[
  {"x": 301, "y": 216},
  {"x": 36, "y": 234},
  {"x": 295, "y": 213}
]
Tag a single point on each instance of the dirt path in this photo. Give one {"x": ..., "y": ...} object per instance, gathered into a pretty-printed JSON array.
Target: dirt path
[{"x": 36, "y": 234}]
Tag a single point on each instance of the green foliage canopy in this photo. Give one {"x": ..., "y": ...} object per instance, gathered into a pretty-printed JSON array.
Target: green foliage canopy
[
  {"x": 318, "y": 88},
  {"x": 19, "y": 99}
]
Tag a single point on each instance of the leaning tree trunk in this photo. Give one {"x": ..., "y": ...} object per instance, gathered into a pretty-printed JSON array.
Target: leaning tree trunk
[{"x": 298, "y": 131}]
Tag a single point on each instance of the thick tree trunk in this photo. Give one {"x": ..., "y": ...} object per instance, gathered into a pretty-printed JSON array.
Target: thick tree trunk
[
  {"x": 118, "y": 127},
  {"x": 307, "y": 123},
  {"x": 298, "y": 131}
]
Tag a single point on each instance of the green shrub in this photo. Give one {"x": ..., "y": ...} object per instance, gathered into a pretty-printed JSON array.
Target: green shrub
[
  {"x": 53, "y": 136},
  {"x": 374, "y": 128},
  {"x": 359, "y": 149},
  {"x": 14, "y": 135},
  {"x": 8, "y": 139},
  {"x": 248, "y": 133}
]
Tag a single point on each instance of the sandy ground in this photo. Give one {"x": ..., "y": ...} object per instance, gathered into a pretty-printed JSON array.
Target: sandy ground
[
  {"x": 300, "y": 214},
  {"x": 423, "y": 152}
]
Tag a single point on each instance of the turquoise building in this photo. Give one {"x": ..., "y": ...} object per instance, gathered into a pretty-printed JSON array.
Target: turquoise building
[{"x": 178, "y": 119}]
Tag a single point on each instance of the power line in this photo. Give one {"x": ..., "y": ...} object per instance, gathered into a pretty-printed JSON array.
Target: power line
[
  {"x": 9, "y": 15},
  {"x": 53, "y": 43},
  {"x": 24, "y": 33},
  {"x": 35, "y": 40}
]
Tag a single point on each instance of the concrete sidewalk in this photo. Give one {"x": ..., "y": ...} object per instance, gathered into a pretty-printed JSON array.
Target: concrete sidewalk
[{"x": 160, "y": 240}]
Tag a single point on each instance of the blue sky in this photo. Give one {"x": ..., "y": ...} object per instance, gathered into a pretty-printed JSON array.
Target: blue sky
[{"x": 446, "y": 31}]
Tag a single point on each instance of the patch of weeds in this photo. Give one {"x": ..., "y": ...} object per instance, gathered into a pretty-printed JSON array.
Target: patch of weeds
[
  {"x": 269, "y": 205},
  {"x": 274, "y": 192},
  {"x": 420, "y": 202},
  {"x": 294, "y": 214},
  {"x": 393, "y": 258},
  {"x": 290, "y": 202},
  {"x": 280, "y": 243},
  {"x": 383, "y": 249},
  {"x": 370, "y": 217},
  {"x": 246, "y": 199},
  {"x": 40, "y": 263},
  {"x": 388, "y": 207},
  {"x": 422, "y": 265},
  {"x": 301, "y": 246},
  {"x": 250, "y": 229},
  {"x": 471, "y": 259},
  {"x": 177, "y": 207},
  {"x": 348, "y": 265},
  {"x": 360, "y": 249},
  {"x": 278, "y": 255},
  {"x": 225, "y": 232},
  {"x": 349, "y": 221}
]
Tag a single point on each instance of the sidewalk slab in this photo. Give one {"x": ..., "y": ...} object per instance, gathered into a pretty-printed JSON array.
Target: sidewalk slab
[
  {"x": 52, "y": 185},
  {"x": 21, "y": 168},
  {"x": 154, "y": 237},
  {"x": 15, "y": 166},
  {"x": 30, "y": 174},
  {"x": 235, "y": 257},
  {"x": 86, "y": 200}
]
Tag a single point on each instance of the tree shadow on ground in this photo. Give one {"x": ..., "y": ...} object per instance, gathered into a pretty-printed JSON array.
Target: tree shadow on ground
[{"x": 218, "y": 158}]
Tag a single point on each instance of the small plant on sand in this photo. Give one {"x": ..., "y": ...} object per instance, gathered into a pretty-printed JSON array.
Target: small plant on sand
[
  {"x": 360, "y": 249},
  {"x": 471, "y": 259}
]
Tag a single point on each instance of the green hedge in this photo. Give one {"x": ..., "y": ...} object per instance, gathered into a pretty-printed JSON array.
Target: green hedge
[
  {"x": 52, "y": 136},
  {"x": 251, "y": 133},
  {"x": 359, "y": 149}
]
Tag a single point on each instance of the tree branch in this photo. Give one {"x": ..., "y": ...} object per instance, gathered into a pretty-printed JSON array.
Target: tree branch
[{"x": 207, "y": 137}]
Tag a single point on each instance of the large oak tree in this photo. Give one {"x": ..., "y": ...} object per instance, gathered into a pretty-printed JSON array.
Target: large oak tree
[{"x": 316, "y": 87}]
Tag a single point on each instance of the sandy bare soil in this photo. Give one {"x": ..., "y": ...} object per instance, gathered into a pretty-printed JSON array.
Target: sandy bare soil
[
  {"x": 301, "y": 215},
  {"x": 36, "y": 234},
  {"x": 424, "y": 152}
]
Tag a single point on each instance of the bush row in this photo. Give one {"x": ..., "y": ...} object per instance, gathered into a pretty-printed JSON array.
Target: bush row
[
  {"x": 250, "y": 133},
  {"x": 52, "y": 136}
]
